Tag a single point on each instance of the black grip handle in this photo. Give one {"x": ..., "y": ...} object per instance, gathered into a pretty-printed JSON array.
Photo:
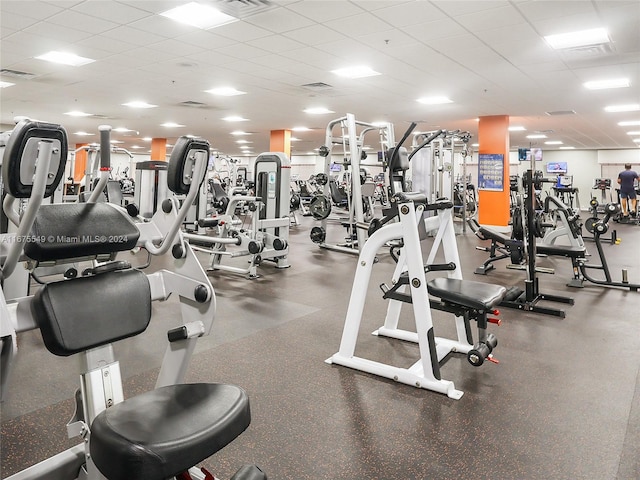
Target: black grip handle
[
  {"x": 439, "y": 267},
  {"x": 105, "y": 146},
  {"x": 208, "y": 222}
]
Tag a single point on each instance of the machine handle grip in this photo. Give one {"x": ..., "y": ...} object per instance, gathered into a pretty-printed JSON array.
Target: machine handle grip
[{"x": 105, "y": 147}]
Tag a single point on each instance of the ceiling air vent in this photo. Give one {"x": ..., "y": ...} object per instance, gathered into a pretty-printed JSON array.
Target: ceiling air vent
[
  {"x": 560, "y": 112},
  {"x": 316, "y": 86},
  {"x": 5, "y": 72},
  {"x": 191, "y": 103},
  {"x": 587, "y": 51},
  {"x": 243, "y": 8}
]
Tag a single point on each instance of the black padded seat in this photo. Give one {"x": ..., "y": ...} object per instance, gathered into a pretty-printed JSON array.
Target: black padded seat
[
  {"x": 570, "y": 251},
  {"x": 470, "y": 294},
  {"x": 161, "y": 433}
]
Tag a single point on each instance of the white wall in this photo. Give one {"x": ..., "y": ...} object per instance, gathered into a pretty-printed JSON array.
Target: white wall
[{"x": 584, "y": 165}]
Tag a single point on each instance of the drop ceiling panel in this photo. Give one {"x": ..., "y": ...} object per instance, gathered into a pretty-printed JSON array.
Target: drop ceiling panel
[
  {"x": 411, "y": 13},
  {"x": 30, "y": 9},
  {"x": 57, "y": 33},
  {"x": 360, "y": 24},
  {"x": 272, "y": 62},
  {"x": 162, "y": 26},
  {"x": 315, "y": 35},
  {"x": 79, "y": 21},
  {"x": 205, "y": 39},
  {"x": 442, "y": 28},
  {"x": 276, "y": 43},
  {"x": 381, "y": 39},
  {"x": 132, "y": 35},
  {"x": 279, "y": 20},
  {"x": 565, "y": 24},
  {"x": 536, "y": 10},
  {"x": 241, "y": 31},
  {"x": 111, "y": 45},
  {"x": 490, "y": 19},
  {"x": 112, "y": 11},
  {"x": 458, "y": 8},
  {"x": 14, "y": 21},
  {"x": 176, "y": 48},
  {"x": 321, "y": 11}
]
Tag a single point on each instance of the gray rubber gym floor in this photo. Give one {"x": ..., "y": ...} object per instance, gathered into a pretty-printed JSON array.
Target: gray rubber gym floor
[{"x": 564, "y": 402}]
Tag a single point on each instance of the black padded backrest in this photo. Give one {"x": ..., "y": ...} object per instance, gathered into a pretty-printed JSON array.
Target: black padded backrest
[
  {"x": 181, "y": 163},
  {"x": 18, "y": 164},
  {"x": 76, "y": 230},
  {"x": 86, "y": 312}
]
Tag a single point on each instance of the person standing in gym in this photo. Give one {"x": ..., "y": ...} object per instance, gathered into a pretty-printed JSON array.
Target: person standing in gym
[{"x": 626, "y": 179}]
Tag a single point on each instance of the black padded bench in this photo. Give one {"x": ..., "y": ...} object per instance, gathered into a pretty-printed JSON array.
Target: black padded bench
[
  {"x": 467, "y": 293},
  {"x": 562, "y": 251}
]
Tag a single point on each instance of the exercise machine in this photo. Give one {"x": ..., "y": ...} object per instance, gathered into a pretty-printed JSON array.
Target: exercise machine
[
  {"x": 268, "y": 236},
  {"x": 351, "y": 138},
  {"x": 156, "y": 435},
  {"x": 466, "y": 300},
  {"x": 582, "y": 268}
]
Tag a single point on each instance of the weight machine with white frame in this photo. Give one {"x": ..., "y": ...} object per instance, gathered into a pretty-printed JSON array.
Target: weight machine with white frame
[{"x": 467, "y": 300}]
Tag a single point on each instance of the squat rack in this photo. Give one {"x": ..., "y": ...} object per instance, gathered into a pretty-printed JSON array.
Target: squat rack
[{"x": 352, "y": 144}]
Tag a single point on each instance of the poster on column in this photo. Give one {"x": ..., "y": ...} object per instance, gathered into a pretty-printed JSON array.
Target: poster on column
[{"x": 491, "y": 172}]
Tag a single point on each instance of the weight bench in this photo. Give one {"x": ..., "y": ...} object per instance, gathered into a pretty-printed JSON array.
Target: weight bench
[
  {"x": 467, "y": 299},
  {"x": 501, "y": 247}
]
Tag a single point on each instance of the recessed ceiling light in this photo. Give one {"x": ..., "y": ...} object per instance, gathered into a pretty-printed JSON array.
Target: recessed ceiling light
[
  {"x": 198, "y": 15},
  {"x": 629, "y": 123},
  {"x": 171, "y": 125},
  {"x": 632, "y": 107},
  {"x": 122, "y": 130},
  {"x": 147, "y": 139},
  {"x": 83, "y": 134},
  {"x": 77, "y": 113},
  {"x": 4, "y": 84},
  {"x": 239, "y": 132},
  {"x": 294, "y": 139},
  {"x": 517, "y": 128},
  {"x": 235, "y": 118},
  {"x": 65, "y": 58},
  {"x": 225, "y": 91},
  {"x": 318, "y": 110},
  {"x": 139, "y": 104},
  {"x": 537, "y": 135},
  {"x": 136, "y": 147},
  {"x": 300, "y": 129},
  {"x": 243, "y": 141},
  {"x": 567, "y": 148},
  {"x": 358, "y": 71},
  {"x": 116, "y": 142},
  {"x": 636, "y": 132},
  {"x": 553, "y": 142},
  {"x": 582, "y": 38},
  {"x": 603, "y": 84},
  {"x": 437, "y": 100}
]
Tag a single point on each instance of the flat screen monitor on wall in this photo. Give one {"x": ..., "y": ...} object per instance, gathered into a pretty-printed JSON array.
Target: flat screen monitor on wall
[
  {"x": 335, "y": 167},
  {"x": 557, "y": 167},
  {"x": 524, "y": 154}
]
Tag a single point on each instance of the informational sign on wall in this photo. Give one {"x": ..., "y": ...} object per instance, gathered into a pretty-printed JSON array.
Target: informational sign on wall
[{"x": 491, "y": 172}]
